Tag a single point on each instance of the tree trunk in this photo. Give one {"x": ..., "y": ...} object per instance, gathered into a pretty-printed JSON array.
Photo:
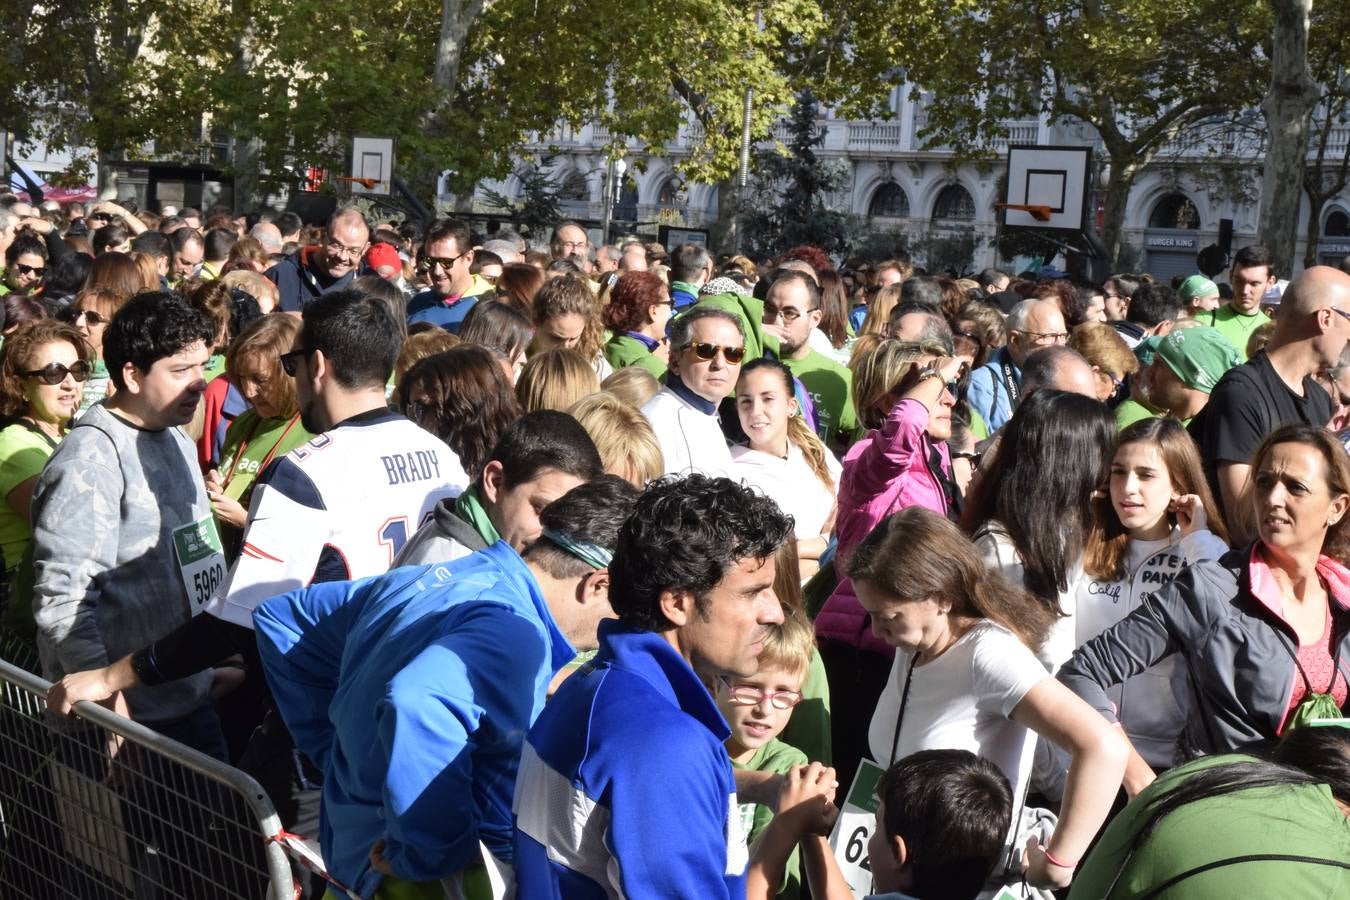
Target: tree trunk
[
  {"x": 1314, "y": 230},
  {"x": 1288, "y": 105},
  {"x": 1123, "y": 173}
]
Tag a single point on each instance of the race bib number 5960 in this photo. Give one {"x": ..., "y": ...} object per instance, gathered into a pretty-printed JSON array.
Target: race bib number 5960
[{"x": 201, "y": 561}]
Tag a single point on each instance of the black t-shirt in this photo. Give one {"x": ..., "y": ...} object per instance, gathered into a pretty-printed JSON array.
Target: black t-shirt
[{"x": 1247, "y": 404}]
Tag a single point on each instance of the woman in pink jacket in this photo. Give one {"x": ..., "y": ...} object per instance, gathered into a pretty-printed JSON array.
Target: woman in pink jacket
[{"x": 904, "y": 393}]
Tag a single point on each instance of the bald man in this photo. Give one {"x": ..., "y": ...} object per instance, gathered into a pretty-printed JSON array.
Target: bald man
[
  {"x": 996, "y": 387},
  {"x": 1059, "y": 369},
  {"x": 1275, "y": 387}
]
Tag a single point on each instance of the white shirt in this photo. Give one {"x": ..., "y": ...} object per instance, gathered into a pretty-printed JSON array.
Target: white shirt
[
  {"x": 791, "y": 484},
  {"x": 690, "y": 439},
  {"x": 961, "y": 701},
  {"x": 1000, "y": 554}
]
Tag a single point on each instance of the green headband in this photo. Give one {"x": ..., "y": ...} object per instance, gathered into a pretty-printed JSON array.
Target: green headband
[{"x": 591, "y": 554}]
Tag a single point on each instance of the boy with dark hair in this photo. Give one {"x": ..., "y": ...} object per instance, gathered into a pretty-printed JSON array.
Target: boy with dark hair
[
  {"x": 120, "y": 513},
  {"x": 625, "y": 786},
  {"x": 941, "y": 822},
  {"x": 540, "y": 457}
]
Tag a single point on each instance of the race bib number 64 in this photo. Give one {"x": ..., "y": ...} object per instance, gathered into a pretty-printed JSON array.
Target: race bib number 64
[{"x": 201, "y": 561}]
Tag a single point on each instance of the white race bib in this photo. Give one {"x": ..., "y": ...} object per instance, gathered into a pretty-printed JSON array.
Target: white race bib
[{"x": 201, "y": 560}]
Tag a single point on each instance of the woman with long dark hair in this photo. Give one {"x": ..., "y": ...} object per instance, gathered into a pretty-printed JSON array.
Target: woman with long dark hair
[
  {"x": 1030, "y": 511},
  {"x": 464, "y": 398}
]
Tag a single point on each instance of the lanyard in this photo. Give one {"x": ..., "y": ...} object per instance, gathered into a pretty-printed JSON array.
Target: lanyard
[
  {"x": 900, "y": 716},
  {"x": 270, "y": 453}
]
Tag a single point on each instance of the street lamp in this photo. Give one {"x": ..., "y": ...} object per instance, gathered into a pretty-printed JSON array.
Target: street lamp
[{"x": 614, "y": 173}]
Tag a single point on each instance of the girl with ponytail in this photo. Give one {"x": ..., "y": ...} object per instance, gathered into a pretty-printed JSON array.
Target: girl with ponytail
[{"x": 785, "y": 459}]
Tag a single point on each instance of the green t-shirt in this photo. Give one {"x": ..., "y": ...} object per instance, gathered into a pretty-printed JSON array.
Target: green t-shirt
[
  {"x": 1288, "y": 820},
  {"x": 23, "y": 453},
  {"x": 95, "y": 387},
  {"x": 779, "y": 758},
  {"x": 1237, "y": 328},
  {"x": 831, "y": 388},
  {"x": 1132, "y": 411},
  {"x": 809, "y": 728},
  {"x": 215, "y": 367}
]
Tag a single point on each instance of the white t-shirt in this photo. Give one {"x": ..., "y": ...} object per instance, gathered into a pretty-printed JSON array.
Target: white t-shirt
[
  {"x": 1000, "y": 554},
  {"x": 791, "y": 484},
  {"x": 961, "y": 701}
]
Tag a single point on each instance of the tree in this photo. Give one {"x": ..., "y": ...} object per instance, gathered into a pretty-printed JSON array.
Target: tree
[
  {"x": 1327, "y": 173},
  {"x": 1137, "y": 73},
  {"x": 1287, "y": 106},
  {"x": 538, "y": 209},
  {"x": 791, "y": 205}
]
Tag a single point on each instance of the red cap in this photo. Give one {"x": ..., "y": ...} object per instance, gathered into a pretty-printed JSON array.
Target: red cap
[{"x": 383, "y": 254}]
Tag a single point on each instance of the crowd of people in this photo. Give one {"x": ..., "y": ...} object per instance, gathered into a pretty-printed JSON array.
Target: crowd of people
[{"x": 561, "y": 571}]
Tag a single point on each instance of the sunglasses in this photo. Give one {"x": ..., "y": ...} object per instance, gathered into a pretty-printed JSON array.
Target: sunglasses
[
  {"x": 733, "y": 355},
  {"x": 290, "y": 361},
  {"x": 55, "y": 373},
  {"x": 90, "y": 316},
  {"x": 39, "y": 271}
]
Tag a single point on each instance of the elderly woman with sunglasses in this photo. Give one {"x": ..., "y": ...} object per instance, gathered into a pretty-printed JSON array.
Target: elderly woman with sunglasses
[
  {"x": 904, "y": 393},
  {"x": 42, "y": 367}
]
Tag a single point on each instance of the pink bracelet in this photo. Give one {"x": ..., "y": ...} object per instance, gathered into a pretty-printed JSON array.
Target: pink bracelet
[{"x": 1054, "y": 862}]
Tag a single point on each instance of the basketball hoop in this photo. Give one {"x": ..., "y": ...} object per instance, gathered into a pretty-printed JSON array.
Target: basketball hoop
[{"x": 1036, "y": 211}]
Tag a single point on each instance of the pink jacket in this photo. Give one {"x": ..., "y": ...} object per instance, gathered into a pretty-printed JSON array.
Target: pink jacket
[{"x": 885, "y": 472}]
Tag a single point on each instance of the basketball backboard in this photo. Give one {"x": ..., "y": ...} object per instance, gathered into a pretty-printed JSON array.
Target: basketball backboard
[
  {"x": 372, "y": 165},
  {"x": 1055, "y": 182}
]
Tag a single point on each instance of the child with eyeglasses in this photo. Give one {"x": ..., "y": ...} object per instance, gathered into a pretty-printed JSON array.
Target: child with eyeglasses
[{"x": 758, "y": 708}]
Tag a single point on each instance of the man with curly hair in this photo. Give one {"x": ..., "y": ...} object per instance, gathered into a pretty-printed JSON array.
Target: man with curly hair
[{"x": 630, "y": 752}]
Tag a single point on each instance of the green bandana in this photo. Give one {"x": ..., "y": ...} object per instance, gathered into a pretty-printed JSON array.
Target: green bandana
[
  {"x": 470, "y": 508},
  {"x": 1199, "y": 356}
]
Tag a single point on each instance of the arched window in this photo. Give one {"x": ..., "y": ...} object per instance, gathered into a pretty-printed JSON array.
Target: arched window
[
  {"x": 1337, "y": 225},
  {"x": 890, "y": 202},
  {"x": 573, "y": 186},
  {"x": 954, "y": 202},
  {"x": 672, "y": 193},
  {"x": 1174, "y": 211},
  {"x": 626, "y": 203}
]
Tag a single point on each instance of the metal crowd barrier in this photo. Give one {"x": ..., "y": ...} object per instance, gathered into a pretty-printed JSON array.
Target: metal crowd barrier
[{"x": 97, "y": 807}]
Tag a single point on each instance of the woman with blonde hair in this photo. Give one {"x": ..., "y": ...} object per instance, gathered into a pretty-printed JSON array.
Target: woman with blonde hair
[
  {"x": 1111, "y": 358},
  {"x": 633, "y": 385},
  {"x": 623, "y": 436},
  {"x": 879, "y": 310},
  {"x": 784, "y": 458},
  {"x": 555, "y": 379}
]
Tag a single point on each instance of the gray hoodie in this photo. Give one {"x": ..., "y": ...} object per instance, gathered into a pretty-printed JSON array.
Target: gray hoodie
[{"x": 106, "y": 579}]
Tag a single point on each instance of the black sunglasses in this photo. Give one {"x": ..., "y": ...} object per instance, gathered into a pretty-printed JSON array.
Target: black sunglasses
[
  {"x": 290, "y": 360},
  {"x": 39, "y": 271},
  {"x": 55, "y": 373}
]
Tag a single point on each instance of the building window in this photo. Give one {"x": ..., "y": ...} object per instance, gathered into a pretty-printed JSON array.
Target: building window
[
  {"x": 1338, "y": 224},
  {"x": 1174, "y": 211},
  {"x": 889, "y": 202},
  {"x": 573, "y": 186},
  {"x": 672, "y": 193},
  {"x": 955, "y": 203}
]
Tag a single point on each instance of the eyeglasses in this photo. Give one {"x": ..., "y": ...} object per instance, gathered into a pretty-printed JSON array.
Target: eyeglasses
[
  {"x": 337, "y": 248},
  {"x": 788, "y": 315},
  {"x": 55, "y": 373},
  {"x": 569, "y": 246},
  {"x": 733, "y": 355},
  {"x": 1339, "y": 312},
  {"x": 429, "y": 263},
  {"x": 39, "y": 271},
  {"x": 1041, "y": 338},
  {"x": 90, "y": 316},
  {"x": 749, "y": 695},
  {"x": 290, "y": 361}
]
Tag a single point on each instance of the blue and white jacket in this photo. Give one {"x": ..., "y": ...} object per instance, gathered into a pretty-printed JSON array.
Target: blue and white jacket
[
  {"x": 625, "y": 788},
  {"x": 412, "y": 692}
]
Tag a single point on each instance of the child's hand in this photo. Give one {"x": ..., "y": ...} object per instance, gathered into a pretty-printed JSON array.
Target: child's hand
[
  {"x": 806, "y": 798},
  {"x": 1190, "y": 513}
]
